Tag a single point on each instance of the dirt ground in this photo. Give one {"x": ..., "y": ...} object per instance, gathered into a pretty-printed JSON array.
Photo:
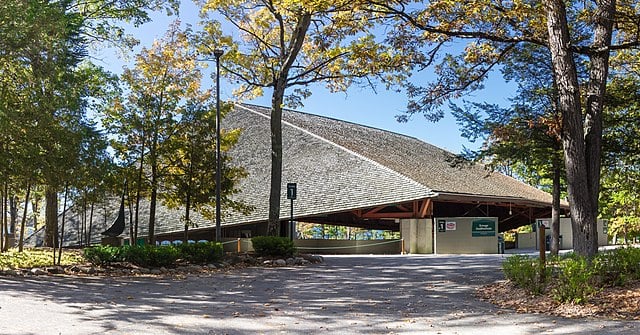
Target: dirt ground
[{"x": 617, "y": 303}]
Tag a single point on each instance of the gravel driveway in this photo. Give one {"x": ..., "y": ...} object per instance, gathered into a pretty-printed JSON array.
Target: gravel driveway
[{"x": 418, "y": 294}]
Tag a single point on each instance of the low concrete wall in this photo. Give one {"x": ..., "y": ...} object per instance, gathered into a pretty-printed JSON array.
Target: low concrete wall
[
  {"x": 237, "y": 245},
  {"x": 527, "y": 241},
  {"x": 324, "y": 246},
  {"x": 348, "y": 246}
]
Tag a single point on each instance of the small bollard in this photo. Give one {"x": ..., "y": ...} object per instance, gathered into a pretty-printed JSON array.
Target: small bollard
[
  {"x": 402, "y": 246},
  {"x": 239, "y": 245}
]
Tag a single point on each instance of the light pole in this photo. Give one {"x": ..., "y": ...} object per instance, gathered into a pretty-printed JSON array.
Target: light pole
[{"x": 218, "y": 53}]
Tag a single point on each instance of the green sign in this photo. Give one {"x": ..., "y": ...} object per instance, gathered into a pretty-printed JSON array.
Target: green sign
[{"x": 483, "y": 227}]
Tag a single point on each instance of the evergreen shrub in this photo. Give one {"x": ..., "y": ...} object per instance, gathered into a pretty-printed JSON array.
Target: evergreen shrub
[
  {"x": 201, "y": 252},
  {"x": 273, "y": 246}
]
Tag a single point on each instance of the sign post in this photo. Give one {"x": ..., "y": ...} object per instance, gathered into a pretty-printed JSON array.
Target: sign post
[
  {"x": 542, "y": 241},
  {"x": 292, "y": 189}
]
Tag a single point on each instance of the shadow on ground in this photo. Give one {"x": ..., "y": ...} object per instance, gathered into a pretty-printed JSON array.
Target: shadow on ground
[{"x": 347, "y": 294}]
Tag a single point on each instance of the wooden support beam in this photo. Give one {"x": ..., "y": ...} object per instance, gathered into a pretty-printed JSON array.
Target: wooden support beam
[
  {"x": 426, "y": 209},
  {"x": 394, "y": 215}
]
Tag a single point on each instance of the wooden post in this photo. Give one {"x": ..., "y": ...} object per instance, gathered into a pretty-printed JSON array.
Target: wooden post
[
  {"x": 543, "y": 246},
  {"x": 239, "y": 246},
  {"x": 402, "y": 246}
]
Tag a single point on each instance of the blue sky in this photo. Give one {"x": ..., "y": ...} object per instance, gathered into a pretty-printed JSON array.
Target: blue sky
[{"x": 363, "y": 106}]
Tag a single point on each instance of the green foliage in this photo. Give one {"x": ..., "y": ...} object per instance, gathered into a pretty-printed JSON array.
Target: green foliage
[
  {"x": 30, "y": 258},
  {"x": 151, "y": 256},
  {"x": 615, "y": 268},
  {"x": 201, "y": 253},
  {"x": 102, "y": 255},
  {"x": 273, "y": 246},
  {"x": 574, "y": 280},
  {"x": 154, "y": 256},
  {"x": 525, "y": 272}
]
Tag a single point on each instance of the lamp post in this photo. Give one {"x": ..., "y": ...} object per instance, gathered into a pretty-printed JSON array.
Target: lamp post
[{"x": 218, "y": 53}]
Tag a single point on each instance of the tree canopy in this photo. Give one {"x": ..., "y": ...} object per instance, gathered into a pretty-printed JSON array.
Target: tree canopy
[{"x": 288, "y": 45}]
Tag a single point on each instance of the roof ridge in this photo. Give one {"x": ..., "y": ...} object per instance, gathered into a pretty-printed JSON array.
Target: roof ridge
[
  {"x": 383, "y": 167},
  {"x": 346, "y": 121}
]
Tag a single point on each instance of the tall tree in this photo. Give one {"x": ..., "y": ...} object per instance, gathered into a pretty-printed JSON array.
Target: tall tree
[
  {"x": 621, "y": 148},
  {"x": 290, "y": 44},
  {"x": 191, "y": 179},
  {"x": 165, "y": 77},
  {"x": 570, "y": 30},
  {"x": 525, "y": 135}
]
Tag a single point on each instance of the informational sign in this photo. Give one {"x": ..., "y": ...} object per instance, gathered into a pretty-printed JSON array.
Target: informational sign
[
  {"x": 544, "y": 223},
  {"x": 483, "y": 227},
  {"x": 442, "y": 226},
  {"x": 291, "y": 191},
  {"x": 451, "y": 225}
]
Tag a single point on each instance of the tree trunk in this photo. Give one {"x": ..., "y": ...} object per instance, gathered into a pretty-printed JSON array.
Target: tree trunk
[
  {"x": 139, "y": 188},
  {"x": 582, "y": 153},
  {"x": 83, "y": 222},
  {"x": 35, "y": 204},
  {"x": 598, "y": 72},
  {"x": 126, "y": 191},
  {"x": 24, "y": 218},
  {"x": 555, "y": 209},
  {"x": 88, "y": 238},
  {"x": 3, "y": 219},
  {"x": 51, "y": 218},
  {"x": 273, "y": 227},
  {"x": 13, "y": 206},
  {"x": 289, "y": 52},
  {"x": 64, "y": 213},
  {"x": 153, "y": 161},
  {"x": 187, "y": 219}
]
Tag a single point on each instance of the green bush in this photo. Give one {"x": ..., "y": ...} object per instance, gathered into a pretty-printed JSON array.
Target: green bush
[
  {"x": 525, "y": 272},
  {"x": 142, "y": 255},
  {"x": 273, "y": 246},
  {"x": 101, "y": 255},
  {"x": 201, "y": 253},
  {"x": 575, "y": 280},
  {"x": 616, "y": 267},
  {"x": 152, "y": 256}
]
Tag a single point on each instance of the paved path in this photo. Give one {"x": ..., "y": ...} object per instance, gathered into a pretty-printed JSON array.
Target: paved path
[{"x": 346, "y": 295}]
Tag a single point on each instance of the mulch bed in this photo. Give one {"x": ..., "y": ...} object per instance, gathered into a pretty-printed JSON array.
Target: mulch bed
[{"x": 618, "y": 303}]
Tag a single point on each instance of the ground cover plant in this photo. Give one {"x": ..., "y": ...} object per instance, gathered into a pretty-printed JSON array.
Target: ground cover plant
[
  {"x": 155, "y": 256},
  {"x": 30, "y": 258},
  {"x": 573, "y": 278}
]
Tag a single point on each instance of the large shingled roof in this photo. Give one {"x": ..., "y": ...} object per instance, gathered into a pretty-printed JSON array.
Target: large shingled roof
[
  {"x": 330, "y": 177},
  {"x": 424, "y": 164}
]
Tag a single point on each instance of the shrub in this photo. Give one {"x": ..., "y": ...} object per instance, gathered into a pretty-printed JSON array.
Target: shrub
[
  {"x": 616, "y": 267},
  {"x": 525, "y": 272},
  {"x": 574, "y": 282},
  {"x": 101, "y": 255},
  {"x": 273, "y": 246},
  {"x": 151, "y": 256},
  {"x": 201, "y": 253}
]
